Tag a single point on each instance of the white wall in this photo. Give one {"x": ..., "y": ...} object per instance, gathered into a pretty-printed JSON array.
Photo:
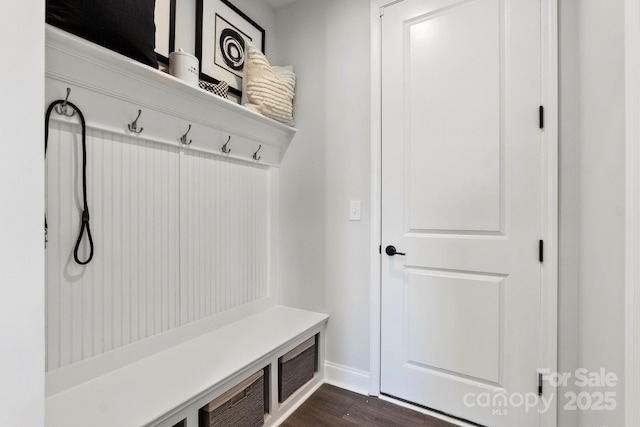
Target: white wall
[
  {"x": 21, "y": 215},
  {"x": 324, "y": 257}
]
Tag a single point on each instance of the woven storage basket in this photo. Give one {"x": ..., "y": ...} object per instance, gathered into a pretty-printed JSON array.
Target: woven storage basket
[
  {"x": 242, "y": 406},
  {"x": 296, "y": 368}
]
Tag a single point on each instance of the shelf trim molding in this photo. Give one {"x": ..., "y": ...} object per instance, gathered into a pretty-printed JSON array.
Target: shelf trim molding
[{"x": 75, "y": 62}]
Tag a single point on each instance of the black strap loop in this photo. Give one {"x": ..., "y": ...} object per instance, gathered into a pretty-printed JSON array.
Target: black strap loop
[{"x": 84, "y": 226}]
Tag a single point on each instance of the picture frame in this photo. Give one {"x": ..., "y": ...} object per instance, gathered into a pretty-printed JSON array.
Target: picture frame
[
  {"x": 165, "y": 20},
  {"x": 221, "y": 32}
]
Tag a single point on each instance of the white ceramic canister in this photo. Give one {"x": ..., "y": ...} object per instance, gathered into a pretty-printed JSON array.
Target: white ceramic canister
[{"x": 184, "y": 66}]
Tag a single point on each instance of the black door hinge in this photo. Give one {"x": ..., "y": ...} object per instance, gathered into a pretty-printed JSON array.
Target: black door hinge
[
  {"x": 539, "y": 383},
  {"x": 380, "y": 249},
  {"x": 541, "y": 117},
  {"x": 541, "y": 251}
]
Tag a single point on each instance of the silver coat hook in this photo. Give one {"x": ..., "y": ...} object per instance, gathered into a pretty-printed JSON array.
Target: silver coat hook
[
  {"x": 226, "y": 150},
  {"x": 133, "y": 127},
  {"x": 62, "y": 109},
  {"x": 255, "y": 155},
  {"x": 183, "y": 138}
]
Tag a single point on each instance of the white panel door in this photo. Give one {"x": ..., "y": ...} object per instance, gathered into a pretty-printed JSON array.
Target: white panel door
[{"x": 462, "y": 177}]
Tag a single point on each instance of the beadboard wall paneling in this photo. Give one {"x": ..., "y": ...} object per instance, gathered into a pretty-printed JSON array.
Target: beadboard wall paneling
[
  {"x": 223, "y": 231},
  {"x": 179, "y": 236}
]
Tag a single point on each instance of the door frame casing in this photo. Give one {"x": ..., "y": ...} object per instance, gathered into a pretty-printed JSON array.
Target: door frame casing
[{"x": 549, "y": 232}]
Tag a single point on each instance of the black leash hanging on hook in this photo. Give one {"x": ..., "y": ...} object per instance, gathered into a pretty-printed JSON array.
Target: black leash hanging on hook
[{"x": 84, "y": 226}]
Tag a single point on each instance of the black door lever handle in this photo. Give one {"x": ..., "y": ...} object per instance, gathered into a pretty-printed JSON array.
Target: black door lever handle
[{"x": 391, "y": 251}]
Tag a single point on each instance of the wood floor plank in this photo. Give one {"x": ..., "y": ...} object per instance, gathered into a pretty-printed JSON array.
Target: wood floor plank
[
  {"x": 373, "y": 414},
  {"x": 312, "y": 416},
  {"x": 332, "y": 406},
  {"x": 342, "y": 393},
  {"x": 331, "y": 402}
]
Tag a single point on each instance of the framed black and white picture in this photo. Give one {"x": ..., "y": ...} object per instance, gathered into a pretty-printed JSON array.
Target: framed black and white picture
[
  {"x": 222, "y": 31},
  {"x": 165, "y": 20}
]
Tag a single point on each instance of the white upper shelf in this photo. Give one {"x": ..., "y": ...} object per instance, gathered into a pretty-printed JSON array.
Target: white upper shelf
[{"x": 113, "y": 87}]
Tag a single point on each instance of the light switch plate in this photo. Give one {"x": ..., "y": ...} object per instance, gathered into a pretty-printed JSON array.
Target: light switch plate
[{"x": 354, "y": 210}]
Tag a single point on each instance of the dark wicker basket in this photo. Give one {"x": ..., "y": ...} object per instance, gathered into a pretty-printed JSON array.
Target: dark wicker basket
[
  {"x": 296, "y": 368},
  {"x": 242, "y": 406}
]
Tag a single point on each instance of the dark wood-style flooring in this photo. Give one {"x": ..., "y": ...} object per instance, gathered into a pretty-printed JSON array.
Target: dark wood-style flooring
[{"x": 332, "y": 406}]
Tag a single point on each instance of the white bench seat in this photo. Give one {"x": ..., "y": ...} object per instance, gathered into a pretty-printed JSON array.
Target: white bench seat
[{"x": 144, "y": 392}]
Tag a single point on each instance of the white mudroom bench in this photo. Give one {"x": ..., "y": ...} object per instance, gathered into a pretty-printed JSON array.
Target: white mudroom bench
[{"x": 172, "y": 385}]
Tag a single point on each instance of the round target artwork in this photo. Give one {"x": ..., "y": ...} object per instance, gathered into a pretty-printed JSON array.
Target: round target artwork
[
  {"x": 230, "y": 46},
  {"x": 222, "y": 36}
]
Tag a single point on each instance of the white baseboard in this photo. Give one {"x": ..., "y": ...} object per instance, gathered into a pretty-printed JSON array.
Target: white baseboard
[{"x": 347, "y": 378}]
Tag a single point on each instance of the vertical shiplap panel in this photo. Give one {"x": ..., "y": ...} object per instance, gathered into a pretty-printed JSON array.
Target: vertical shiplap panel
[
  {"x": 183, "y": 251},
  {"x": 164, "y": 243},
  {"x": 125, "y": 242},
  {"x": 217, "y": 235},
  {"x": 66, "y": 146},
  {"x": 156, "y": 231},
  {"x": 54, "y": 262},
  {"x": 151, "y": 240},
  {"x": 234, "y": 213},
  {"x": 88, "y": 285},
  {"x": 56, "y": 225},
  {"x": 77, "y": 272},
  {"x": 199, "y": 245},
  {"x": 188, "y": 219},
  {"x": 243, "y": 248},
  {"x": 253, "y": 203},
  {"x": 197, "y": 235},
  {"x": 230, "y": 238},
  {"x": 225, "y": 243},
  {"x": 107, "y": 247},
  {"x": 147, "y": 240},
  {"x": 134, "y": 241},
  {"x": 97, "y": 185},
  {"x": 174, "y": 238},
  {"x": 116, "y": 232},
  {"x": 254, "y": 231},
  {"x": 187, "y": 187},
  {"x": 263, "y": 213},
  {"x": 208, "y": 232},
  {"x": 204, "y": 213},
  {"x": 246, "y": 264},
  {"x": 266, "y": 260},
  {"x": 251, "y": 195}
]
